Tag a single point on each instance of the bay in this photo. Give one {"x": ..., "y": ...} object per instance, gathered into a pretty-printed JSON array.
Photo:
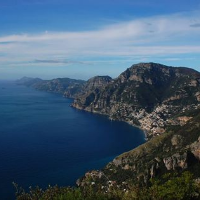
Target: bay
[{"x": 44, "y": 141}]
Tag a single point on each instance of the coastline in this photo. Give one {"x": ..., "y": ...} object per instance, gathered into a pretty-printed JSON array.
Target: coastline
[{"x": 108, "y": 116}]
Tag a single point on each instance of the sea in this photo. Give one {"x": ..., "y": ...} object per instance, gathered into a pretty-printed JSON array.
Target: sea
[{"x": 44, "y": 141}]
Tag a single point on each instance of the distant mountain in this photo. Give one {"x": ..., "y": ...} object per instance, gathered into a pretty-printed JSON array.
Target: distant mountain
[
  {"x": 28, "y": 81},
  {"x": 66, "y": 86}
]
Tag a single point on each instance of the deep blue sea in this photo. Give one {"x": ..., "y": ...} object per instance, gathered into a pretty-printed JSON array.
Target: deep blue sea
[{"x": 45, "y": 141}]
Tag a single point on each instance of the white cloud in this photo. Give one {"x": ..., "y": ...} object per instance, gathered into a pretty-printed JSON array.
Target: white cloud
[{"x": 161, "y": 35}]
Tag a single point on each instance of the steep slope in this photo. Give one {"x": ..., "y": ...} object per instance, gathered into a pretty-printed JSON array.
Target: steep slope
[
  {"x": 91, "y": 90},
  {"x": 176, "y": 150},
  {"x": 97, "y": 82},
  {"x": 148, "y": 95}
]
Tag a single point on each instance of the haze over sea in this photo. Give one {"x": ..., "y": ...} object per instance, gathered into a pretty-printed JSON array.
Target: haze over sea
[{"x": 45, "y": 141}]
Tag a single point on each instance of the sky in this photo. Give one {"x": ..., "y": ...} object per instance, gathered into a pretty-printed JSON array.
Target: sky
[{"x": 84, "y": 38}]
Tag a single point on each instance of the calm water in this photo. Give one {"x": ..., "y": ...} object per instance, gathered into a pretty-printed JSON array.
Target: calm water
[{"x": 45, "y": 141}]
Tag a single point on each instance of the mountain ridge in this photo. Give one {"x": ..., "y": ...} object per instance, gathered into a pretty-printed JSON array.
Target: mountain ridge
[{"x": 144, "y": 90}]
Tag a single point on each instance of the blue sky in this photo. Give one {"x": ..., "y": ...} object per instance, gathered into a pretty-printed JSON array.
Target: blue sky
[{"x": 80, "y": 39}]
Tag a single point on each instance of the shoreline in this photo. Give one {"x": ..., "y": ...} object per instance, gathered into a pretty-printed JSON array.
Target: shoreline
[{"x": 99, "y": 113}]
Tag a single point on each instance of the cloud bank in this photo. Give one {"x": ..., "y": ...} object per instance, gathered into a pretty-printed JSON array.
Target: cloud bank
[{"x": 153, "y": 36}]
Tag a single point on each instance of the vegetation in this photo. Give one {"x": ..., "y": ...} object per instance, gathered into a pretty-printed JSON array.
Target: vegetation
[{"x": 169, "y": 186}]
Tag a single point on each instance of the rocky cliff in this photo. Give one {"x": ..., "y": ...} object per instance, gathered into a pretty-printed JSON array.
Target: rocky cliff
[
  {"x": 148, "y": 95},
  {"x": 91, "y": 91}
]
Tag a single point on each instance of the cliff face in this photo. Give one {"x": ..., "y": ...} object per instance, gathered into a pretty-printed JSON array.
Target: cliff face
[
  {"x": 176, "y": 150},
  {"x": 91, "y": 91},
  {"x": 148, "y": 95},
  {"x": 96, "y": 82}
]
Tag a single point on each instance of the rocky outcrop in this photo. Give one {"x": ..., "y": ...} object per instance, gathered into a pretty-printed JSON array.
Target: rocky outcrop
[
  {"x": 175, "y": 161},
  {"x": 195, "y": 149},
  {"x": 90, "y": 91},
  {"x": 177, "y": 140},
  {"x": 96, "y": 82}
]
